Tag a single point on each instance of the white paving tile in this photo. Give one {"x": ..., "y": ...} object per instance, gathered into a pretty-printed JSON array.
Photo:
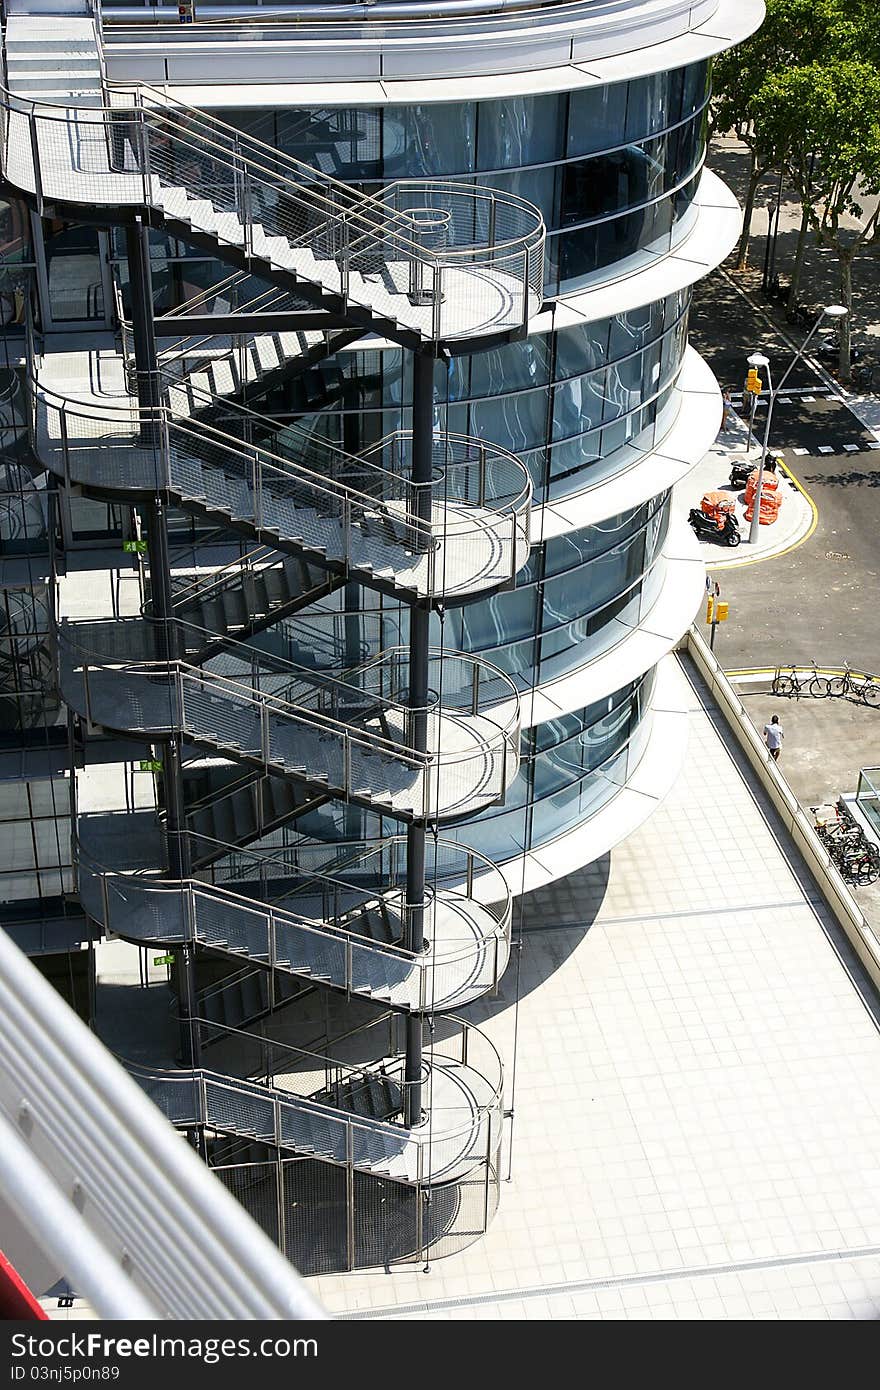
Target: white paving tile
[{"x": 697, "y": 1128}]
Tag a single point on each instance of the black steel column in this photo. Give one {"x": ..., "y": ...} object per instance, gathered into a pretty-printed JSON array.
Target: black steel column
[
  {"x": 419, "y": 621},
  {"x": 179, "y": 861},
  {"x": 149, "y": 393}
]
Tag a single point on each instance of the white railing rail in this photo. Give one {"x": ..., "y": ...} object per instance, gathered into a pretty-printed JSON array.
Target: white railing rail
[{"x": 130, "y": 1215}]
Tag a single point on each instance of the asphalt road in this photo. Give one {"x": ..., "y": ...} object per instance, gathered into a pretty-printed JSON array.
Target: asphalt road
[{"x": 821, "y": 599}]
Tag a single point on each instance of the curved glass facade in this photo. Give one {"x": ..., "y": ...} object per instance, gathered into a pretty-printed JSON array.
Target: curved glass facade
[
  {"x": 613, "y": 169},
  {"x": 576, "y": 599},
  {"x": 579, "y": 595},
  {"x": 564, "y": 402},
  {"x": 569, "y": 768}
]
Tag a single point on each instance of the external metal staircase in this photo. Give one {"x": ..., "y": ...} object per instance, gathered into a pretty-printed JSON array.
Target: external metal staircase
[
  {"x": 422, "y": 262},
  {"x": 415, "y": 924},
  {"x": 462, "y": 534},
  {"x": 233, "y": 365},
  {"x": 343, "y": 1114}
]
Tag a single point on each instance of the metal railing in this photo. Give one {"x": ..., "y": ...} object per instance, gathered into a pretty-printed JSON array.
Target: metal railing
[
  {"x": 285, "y": 1115},
  {"x": 306, "y": 724},
  {"x": 277, "y": 911},
  {"x": 191, "y": 353},
  {"x": 142, "y": 147},
  {"x": 480, "y": 495}
]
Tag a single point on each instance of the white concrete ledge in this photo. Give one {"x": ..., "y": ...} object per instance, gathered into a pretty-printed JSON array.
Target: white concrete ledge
[
  {"x": 646, "y": 786},
  {"x": 638, "y": 646},
  {"x": 495, "y": 57}
]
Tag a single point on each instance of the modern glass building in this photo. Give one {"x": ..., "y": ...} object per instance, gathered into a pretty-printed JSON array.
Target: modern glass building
[{"x": 531, "y": 391}]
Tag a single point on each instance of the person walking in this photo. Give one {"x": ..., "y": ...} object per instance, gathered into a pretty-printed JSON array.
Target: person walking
[{"x": 773, "y": 737}]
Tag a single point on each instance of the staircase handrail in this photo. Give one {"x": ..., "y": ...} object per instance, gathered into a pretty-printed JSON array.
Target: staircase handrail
[
  {"x": 425, "y": 538},
  {"x": 426, "y": 1136},
  {"x": 266, "y": 157},
  {"x": 498, "y": 903},
  {"x": 276, "y": 464},
  {"x": 254, "y": 160},
  {"x": 395, "y": 657},
  {"x": 224, "y": 576},
  {"x": 122, "y": 883},
  {"x": 177, "y": 671}
]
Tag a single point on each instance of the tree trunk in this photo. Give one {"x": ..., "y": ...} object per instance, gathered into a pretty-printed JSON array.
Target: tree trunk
[
  {"x": 845, "y": 323},
  {"x": 798, "y": 260},
  {"x": 755, "y": 176}
]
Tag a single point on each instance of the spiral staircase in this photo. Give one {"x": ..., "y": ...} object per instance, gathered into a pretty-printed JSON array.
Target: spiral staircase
[{"x": 249, "y": 740}]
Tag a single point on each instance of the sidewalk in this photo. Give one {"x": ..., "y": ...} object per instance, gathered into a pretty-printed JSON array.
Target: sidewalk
[
  {"x": 796, "y": 515},
  {"x": 688, "y": 1143}
]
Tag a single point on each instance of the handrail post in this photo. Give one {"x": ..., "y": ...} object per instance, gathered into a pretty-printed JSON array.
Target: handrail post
[
  {"x": 65, "y": 445},
  {"x": 35, "y": 156},
  {"x": 349, "y": 1194},
  {"x": 345, "y": 258},
  {"x": 436, "y": 300},
  {"x": 264, "y": 732},
  {"x": 257, "y": 492}
]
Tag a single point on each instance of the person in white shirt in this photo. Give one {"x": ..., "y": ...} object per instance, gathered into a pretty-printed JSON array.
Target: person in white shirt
[{"x": 773, "y": 736}]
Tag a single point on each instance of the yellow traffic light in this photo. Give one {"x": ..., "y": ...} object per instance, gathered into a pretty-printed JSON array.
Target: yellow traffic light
[
  {"x": 710, "y": 604},
  {"x": 721, "y": 611},
  {"x": 753, "y": 381}
]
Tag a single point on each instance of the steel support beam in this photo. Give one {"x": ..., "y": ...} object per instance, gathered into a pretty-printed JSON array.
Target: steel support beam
[
  {"x": 419, "y": 620},
  {"x": 290, "y": 321},
  {"x": 149, "y": 393},
  {"x": 179, "y": 865}
]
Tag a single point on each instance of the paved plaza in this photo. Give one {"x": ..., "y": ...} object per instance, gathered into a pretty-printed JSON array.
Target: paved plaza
[{"x": 697, "y": 1129}]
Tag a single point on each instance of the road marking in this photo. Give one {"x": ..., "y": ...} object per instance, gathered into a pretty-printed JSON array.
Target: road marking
[
  {"x": 852, "y": 448},
  {"x": 800, "y": 452},
  {"x": 825, "y": 449}
]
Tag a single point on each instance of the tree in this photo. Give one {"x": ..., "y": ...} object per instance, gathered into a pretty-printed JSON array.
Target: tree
[
  {"x": 794, "y": 33},
  {"x": 829, "y": 114}
]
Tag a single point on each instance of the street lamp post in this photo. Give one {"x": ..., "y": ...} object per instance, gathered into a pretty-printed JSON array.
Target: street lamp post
[{"x": 760, "y": 360}]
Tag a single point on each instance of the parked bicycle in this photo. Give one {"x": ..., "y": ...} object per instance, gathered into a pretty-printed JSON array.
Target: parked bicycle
[
  {"x": 789, "y": 681},
  {"x": 857, "y": 857},
  {"x": 867, "y": 689}
]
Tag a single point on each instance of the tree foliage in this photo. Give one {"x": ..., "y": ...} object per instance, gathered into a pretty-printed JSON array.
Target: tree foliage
[
  {"x": 804, "y": 94},
  {"x": 793, "y": 32},
  {"x": 826, "y": 116}
]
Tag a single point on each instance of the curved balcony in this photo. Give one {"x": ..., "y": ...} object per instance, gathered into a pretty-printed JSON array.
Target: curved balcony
[
  {"x": 351, "y": 515},
  {"x": 307, "y": 1104},
  {"x": 424, "y": 261},
  {"x": 335, "y": 918},
  {"x": 350, "y": 738}
]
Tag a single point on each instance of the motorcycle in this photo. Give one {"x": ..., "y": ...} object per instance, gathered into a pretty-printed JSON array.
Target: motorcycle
[
  {"x": 740, "y": 472},
  {"x": 828, "y": 349},
  {"x": 706, "y": 527}
]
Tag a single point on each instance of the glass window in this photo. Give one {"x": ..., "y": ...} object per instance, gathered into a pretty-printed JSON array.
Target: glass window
[
  {"x": 582, "y": 347},
  {"x": 596, "y": 118},
  {"x": 511, "y": 367},
  {"x": 519, "y": 421},
  {"x": 518, "y": 130},
  {"x": 436, "y": 139}
]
